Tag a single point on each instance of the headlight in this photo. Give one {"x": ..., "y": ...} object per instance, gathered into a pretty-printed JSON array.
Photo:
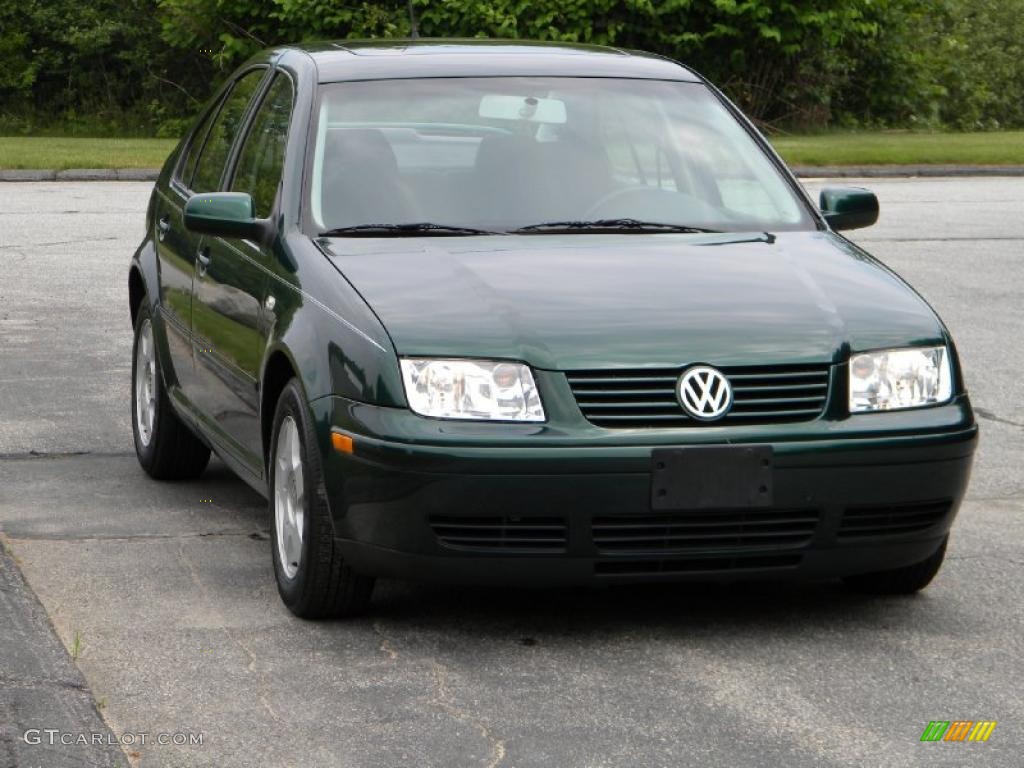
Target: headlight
[
  {"x": 899, "y": 378},
  {"x": 471, "y": 389}
]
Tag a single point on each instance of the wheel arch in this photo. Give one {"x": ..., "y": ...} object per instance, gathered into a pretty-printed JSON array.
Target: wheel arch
[
  {"x": 136, "y": 292},
  {"x": 278, "y": 369},
  {"x": 143, "y": 279}
]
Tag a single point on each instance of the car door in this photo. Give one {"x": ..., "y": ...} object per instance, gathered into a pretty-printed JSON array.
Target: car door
[
  {"x": 176, "y": 249},
  {"x": 229, "y": 334}
]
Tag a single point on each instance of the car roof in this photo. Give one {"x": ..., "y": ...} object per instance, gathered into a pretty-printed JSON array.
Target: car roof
[{"x": 385, "y": 59}]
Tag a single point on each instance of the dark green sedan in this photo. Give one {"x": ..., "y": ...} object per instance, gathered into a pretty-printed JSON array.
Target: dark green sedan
[{"x": 534, "y": 314}]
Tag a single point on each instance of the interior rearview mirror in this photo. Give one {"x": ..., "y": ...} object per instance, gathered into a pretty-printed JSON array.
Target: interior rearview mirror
[
  {"x": 224, "y": 214},
  {"x": 848, "y": 207},
  {"x": 503, "y": 107}
]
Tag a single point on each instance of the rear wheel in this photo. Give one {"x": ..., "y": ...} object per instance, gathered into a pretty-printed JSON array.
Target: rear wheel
[
  {"x": 900, "y": 581},
  {"x": 312, "y": 578},
  {"x": 166, "y": 448}
]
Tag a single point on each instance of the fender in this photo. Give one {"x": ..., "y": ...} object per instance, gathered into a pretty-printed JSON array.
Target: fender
[
  {"x": 334, "y": 346},
  {"x": 336, "y": 343}
]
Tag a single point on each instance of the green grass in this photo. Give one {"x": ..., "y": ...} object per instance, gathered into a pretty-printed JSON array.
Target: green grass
[
  {"x": 61, "y": 153},
  {"x": 875, "y": 148},
  {"x": 76, "y": 645},
  {"x": 903, "y": 148}
]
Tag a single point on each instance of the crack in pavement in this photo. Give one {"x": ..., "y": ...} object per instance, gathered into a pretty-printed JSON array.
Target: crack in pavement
[
  {"x": 385, "y": 642},
  {"x": 1017, "y": 498},
  {"x": 262, "y": 684},
  {"x": 442, "y": 700},
  {"x": 261, "y": 533},
  {"x": 987, "y": 556},
  {"x": 26, "y": 683},
  {"x": 59, "y": 242},
  {"x": 988, "y": 415},
  {"x": 111, "y": 212},
  {"x": 29, "y": 455}
]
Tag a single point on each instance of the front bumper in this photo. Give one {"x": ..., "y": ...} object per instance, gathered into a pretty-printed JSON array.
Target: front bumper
[{"x": 529, "y": 505}]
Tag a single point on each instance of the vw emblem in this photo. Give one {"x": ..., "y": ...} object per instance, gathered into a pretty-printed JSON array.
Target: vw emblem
[{"x": 704, "y": 393}]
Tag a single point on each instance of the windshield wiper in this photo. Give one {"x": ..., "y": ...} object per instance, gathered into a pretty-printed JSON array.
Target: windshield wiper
[
  {"x": 419, "y": 228},
  {"x": 609, "y": 225}
]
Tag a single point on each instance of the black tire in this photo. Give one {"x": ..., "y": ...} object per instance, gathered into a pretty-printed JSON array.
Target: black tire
[
  {"x": 900, "y": 581},
  {"x": 172, "y": 452},
  {"x": 322, "y": 584}
]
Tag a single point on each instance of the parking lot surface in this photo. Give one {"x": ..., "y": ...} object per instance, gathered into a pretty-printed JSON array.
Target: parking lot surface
[{"x": 166, "y": 594}]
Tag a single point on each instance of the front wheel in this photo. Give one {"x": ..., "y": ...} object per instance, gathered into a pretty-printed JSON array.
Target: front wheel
[
  {"x": 166, "y": 448},
  {"x": 312, "y": 578},
  {"x": 900, "y": 581}
]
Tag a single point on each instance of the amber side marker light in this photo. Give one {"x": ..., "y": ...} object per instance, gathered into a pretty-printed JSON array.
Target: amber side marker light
[{"x": 342, "y": 443}]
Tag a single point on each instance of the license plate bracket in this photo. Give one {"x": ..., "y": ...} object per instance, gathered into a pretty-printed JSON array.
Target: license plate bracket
[{"x": 712, "y": 477}]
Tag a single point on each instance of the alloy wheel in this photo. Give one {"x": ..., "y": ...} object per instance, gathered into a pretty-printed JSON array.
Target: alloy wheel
[
  {"x": 289, "y": 497},
  {"x": 145, "y": 383}
]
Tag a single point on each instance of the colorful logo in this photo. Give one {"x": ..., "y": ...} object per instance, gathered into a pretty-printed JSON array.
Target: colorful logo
[{"x": 958, "y": 730}]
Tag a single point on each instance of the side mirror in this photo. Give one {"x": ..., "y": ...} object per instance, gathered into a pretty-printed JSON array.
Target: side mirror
[
  {"x": 225, "y": 214},
  {"x": 848, "y": 207}
]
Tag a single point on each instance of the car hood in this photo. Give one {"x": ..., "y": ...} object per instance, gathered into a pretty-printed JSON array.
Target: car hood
[{"x": 566, "y": 302}]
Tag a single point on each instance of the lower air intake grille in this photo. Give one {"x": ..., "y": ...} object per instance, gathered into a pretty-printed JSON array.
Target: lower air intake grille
[
  {"x": 703, "y": 531},
  {"x": 696, "y": 565},
  {"x": 640, "y": 398},
  {"x": 501, "y": 533},
  {"x": 891, "y": 520}
]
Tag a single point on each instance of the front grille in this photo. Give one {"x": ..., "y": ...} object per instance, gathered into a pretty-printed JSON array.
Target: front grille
[
  {"x": 501, "y": 533},
  {"x": 695, "y": 565},
  {"x": 703, "y": 531},
  {"x": 891, "y": 520},
  {"x": 639, "y": 398}
]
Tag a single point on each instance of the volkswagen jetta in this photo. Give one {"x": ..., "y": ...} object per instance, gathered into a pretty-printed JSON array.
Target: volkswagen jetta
[{"x": 534, "y": 314}]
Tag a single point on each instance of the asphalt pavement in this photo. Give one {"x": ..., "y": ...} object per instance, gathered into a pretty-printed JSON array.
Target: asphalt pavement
[{"x": 165, "y": 594}]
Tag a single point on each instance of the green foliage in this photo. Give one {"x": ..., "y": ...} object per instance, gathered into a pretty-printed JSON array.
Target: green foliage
[
  {"x": 981, "y": 65},
  {"x": 148, "y": 64},
  {"x": 778, "y": 59},
  {"x": 91, "y": 66}
]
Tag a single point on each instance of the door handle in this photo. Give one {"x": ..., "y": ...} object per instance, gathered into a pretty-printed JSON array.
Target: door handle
[
  {"x": 203, "y": 257},
  {"x": 163, "y": 226}
]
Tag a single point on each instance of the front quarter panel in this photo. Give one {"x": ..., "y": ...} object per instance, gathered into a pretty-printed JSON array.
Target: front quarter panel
[{"x": 335, "y": 343}]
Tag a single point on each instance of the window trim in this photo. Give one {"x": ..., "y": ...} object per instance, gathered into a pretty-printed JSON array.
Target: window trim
[
  {"x": 224, "y": 96},
  {"x": 231, "y": 167},
  {"x": 196, "y": 135}
]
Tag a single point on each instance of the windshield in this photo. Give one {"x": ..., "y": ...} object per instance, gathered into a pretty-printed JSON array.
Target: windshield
[{"x": 500, "y": 154}]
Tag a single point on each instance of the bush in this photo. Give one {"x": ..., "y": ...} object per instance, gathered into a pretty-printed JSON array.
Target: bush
[
  {"x": 148, "y": 64},
  {"x": 780, "y": 60}
]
